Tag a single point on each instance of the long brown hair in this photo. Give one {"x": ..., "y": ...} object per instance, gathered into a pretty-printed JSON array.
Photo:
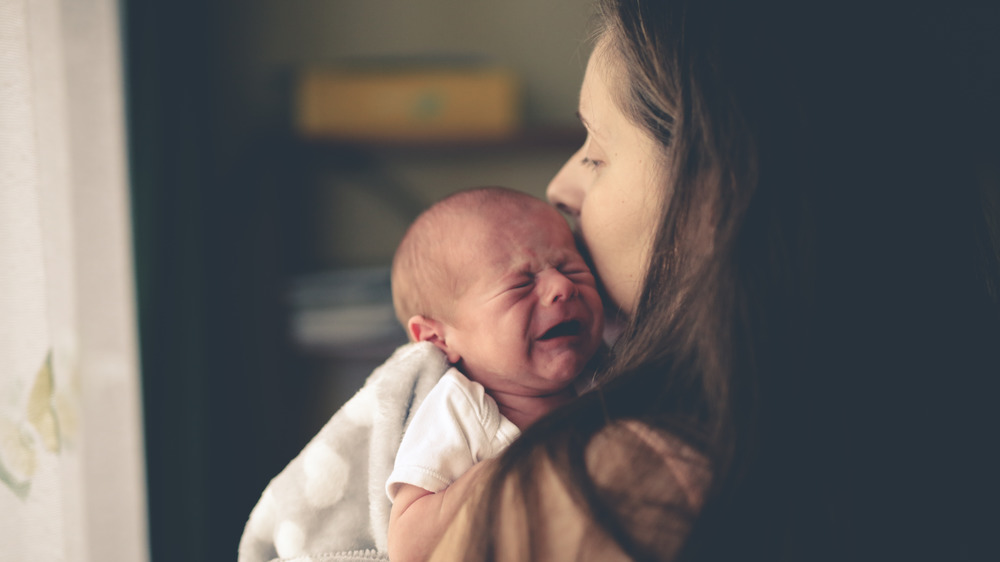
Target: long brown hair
[{"x": 820, "y": 314}]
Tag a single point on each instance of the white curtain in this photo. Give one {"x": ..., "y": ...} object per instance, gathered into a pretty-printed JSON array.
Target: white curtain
[{"x": 71, "y": 457}]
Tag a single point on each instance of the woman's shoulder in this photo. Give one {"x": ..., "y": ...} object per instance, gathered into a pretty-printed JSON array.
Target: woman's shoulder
[
  {"x": 651, "y": 479},
  {"x": 647, "y": 480},
  {"x": 646, "y": 451}
]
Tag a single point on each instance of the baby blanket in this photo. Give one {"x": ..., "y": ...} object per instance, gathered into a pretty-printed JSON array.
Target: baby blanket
[{"x": 329, "y": 504}]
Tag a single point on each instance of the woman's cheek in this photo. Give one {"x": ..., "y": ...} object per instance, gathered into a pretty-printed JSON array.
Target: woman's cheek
[{"x": 613, "y": 257}]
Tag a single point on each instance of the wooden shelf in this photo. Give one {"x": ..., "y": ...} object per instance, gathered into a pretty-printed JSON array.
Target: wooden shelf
[{"x": 534, "y": 138}]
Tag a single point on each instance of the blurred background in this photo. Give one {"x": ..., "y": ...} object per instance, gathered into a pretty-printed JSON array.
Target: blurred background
[{"x": 264, "y": 224}]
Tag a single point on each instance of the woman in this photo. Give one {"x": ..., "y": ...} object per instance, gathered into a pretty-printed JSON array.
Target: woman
[{"x": 796, "y": 212}]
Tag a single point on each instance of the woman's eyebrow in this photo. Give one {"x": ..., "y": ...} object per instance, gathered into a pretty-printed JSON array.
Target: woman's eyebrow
[{"x": 590, "y": 128}]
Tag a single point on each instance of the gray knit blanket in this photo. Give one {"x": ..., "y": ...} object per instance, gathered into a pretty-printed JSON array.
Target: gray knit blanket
[{"x": 329, "y": 504}]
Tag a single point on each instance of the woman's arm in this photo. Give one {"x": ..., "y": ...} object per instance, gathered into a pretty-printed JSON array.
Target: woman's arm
[{"x": 419, "y": 518}]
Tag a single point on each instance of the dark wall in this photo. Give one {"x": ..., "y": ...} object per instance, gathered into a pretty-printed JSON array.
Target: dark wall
[{"x": 219, "y": 384}]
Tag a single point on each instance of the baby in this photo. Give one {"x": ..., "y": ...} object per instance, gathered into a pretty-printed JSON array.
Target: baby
[{"x": 492, "y": 277}]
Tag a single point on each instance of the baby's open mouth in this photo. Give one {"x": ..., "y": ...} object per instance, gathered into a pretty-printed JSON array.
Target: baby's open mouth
[{"x": 568, "y": 328}]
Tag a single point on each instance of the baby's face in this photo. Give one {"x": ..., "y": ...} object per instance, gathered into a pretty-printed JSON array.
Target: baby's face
[{"x": 530, "y": 316}]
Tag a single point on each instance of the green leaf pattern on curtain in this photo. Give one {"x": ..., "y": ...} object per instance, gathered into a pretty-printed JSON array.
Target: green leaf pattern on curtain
[{"x": 44, "y": 421}]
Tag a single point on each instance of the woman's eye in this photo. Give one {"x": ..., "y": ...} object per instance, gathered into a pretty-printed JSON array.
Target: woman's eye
[{"x": 592, "y": 163}]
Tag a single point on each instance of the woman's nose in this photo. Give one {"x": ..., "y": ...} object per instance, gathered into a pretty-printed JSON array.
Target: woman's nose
[
  {"x": 555, "y": 286},
  {"x": 566, "y": 191}
]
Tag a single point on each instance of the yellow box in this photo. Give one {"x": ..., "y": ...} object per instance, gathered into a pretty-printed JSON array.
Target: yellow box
[{"x": 408, "y": 104}]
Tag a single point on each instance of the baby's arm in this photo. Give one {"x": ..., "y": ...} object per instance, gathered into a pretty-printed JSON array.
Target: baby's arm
[{"x": 419, "y": 518}]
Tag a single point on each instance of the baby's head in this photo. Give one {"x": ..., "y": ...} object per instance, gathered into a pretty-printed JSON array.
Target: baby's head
[{"x": 493, "y": 278}]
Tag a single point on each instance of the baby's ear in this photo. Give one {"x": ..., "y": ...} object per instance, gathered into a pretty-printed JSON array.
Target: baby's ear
[{"x": 422, "y": 328}]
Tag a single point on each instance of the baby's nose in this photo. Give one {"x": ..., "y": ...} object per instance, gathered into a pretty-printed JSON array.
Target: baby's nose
[{"x": 556, "y": 287}]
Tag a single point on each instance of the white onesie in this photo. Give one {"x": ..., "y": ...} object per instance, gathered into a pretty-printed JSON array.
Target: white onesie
[{"x": 456, "y": 426}]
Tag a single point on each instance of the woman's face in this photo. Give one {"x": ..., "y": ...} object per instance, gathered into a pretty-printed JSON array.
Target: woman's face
[{"x": 611, "y": 187}]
